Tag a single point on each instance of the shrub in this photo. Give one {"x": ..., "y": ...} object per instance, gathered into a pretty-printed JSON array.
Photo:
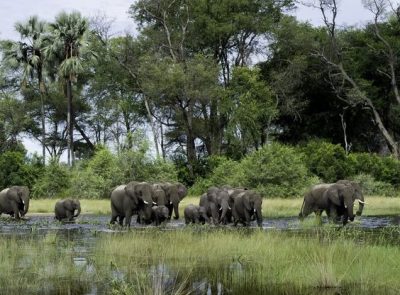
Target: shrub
[
  {"x": 96, "y": 177},
  {"x": 16, "y": 169},
  {"x": 226, "y": 172},
  {"x": 53, "y": 182},
  {"x": 276, "y": 170},
  {"x": 384, "y": 169},
  {"x": 371, "y": 186},
  {"x": 327, "y": 161}
]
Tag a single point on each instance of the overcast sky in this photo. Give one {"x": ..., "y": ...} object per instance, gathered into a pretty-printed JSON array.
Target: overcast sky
[{"x": 351, "y": 12}]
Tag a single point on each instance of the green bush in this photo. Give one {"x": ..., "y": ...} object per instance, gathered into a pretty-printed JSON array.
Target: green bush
[
  {"x": 96, "y": 177},
  {"x": 225, "y": 172},
  {"x": 371, "y": 186},
  {"x": 53, "y": 182},
  {"x": 276, "y": 170},
  {"x": 384, "y": 169},
  {"x": 16, "y": 169},
  {"x": 327, "y": 161}
]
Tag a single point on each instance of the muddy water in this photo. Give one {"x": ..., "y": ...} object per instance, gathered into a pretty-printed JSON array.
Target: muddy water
[{"x": 88, "y": 228}]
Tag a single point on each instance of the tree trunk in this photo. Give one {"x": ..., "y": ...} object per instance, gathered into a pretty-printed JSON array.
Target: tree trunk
[
  {"x": 70, "y": 132},
  {"x": 153, "y": 128}
]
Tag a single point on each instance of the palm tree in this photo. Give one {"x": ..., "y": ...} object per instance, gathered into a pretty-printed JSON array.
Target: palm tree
[
  {"x": 68, "y": 36},
  {"x": 28, "y": 53}
]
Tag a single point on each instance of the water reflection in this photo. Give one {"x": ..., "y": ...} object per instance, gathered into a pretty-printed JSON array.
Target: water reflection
[{"x": 233, "y": 278}]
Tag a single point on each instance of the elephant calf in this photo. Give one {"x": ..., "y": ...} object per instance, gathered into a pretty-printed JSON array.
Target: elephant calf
[
  {"x": 159, "y": 214},
  {"x": 64, "y": 210},
  {"x": 195, "y": 214}
]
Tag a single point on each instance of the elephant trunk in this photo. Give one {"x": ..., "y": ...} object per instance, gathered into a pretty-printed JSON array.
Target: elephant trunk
[
  {"x": 176, "y": 209},
  {"x": 360, "y": 205},
  {"x": 78, "y": 211},
  {"x": 26, "y": 207},
  {"x": 258, "y": 216},
  {"x": 349, "y": 208}
]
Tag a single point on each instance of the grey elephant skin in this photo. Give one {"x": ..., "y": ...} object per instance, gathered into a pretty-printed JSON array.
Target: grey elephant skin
[
  {"x": 195, "y": 214},
  {"x": 14, "y": 201},
  {"x": 64, "y": 210},
  {"x": 336, "y": 199},
  {"x": 246, "y": 203},
  {"x": 222, "y": 200},
  {"x": 209, "y": 203},
  {"x": 159, "y": 214},
  {"x": 130, "y": 199},
  {"x": 174, "y": 193}
]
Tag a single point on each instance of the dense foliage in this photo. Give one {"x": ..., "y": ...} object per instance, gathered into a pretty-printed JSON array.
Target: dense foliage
[{"x": 184, "y": 100}]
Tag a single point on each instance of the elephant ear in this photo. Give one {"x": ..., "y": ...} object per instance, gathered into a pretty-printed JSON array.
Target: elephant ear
[
  {"x": 130, "y": 191},
  {"x": 246, "y": 201},
  {"x": 334, "y": 195}
]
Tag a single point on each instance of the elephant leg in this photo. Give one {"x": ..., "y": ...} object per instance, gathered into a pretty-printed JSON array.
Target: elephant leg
[
  {"x": 247, "y": 217},
  {"x": 15, "y": 210},
  {"x": 170, "y": 208},
  {"x": 128, "y": 218},
  {"x": 318, "y": 218},
  {"x": 121, "y": 220},
  {"x": 113, "y": 218},
  {"x": 69, "y": 215}
]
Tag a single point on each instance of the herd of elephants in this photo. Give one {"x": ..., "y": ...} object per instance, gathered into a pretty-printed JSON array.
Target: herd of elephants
[{"x": 154, "y": 203}]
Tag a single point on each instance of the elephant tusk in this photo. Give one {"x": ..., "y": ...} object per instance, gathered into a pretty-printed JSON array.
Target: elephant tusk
[
  {"x": 229, "y": 208},
  {"x": 154, "y": 203},
  {"x": 255, "y": 210},
  {"x": 362, "y": 202},
  {"x": 170, "y": 202},
  {"x": 220, "y": 209},
  {"x": 146, "y": 202},
  {"x": 23, "y": 202}
]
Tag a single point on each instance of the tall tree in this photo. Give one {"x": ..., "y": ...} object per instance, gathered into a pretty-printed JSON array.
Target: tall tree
[
  {"x": 355, "y": 86},
  {"x": 68, "y": 34},
  {"x": 28, "y": 53}
]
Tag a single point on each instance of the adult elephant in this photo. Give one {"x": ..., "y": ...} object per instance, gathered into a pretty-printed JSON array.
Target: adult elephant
[
  {"x": 314, "y": 200},
  {"x": 158, "y": 195},
  {"x": 130, "y": 199},
  {"x": 210, "y": 206},
  {"x": 65, "y": 209},
  {"x": 245, "y": 204},
  {"x": 174, "y": 193},
  {"x": 14, "y": 201},
  {"x": 221, "y": 198},
  {"x": 340, "y": 198}
]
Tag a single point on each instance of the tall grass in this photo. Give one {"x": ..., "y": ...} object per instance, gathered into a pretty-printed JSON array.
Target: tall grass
[
  {"x": 152, "y": 261},
  {"x": 260, "y": 259}
]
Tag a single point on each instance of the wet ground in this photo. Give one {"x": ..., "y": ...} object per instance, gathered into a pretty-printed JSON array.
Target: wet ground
[{"x": 95, "y": 223}]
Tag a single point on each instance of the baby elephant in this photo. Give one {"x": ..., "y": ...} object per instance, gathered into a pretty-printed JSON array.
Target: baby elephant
[
  {"x": 159, "y": 214},
  {"x": 65, "y": 209},
  {"x": 195, "y": 214}
]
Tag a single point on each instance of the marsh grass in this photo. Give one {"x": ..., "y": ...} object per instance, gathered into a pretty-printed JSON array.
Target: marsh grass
[
  {"x": 244, "y": 259},
  {"x": 236, "y": 261}
]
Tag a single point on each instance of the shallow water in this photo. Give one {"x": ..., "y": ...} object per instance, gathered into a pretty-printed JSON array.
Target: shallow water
[
  {"x": 100, "y": 223},
  {"x": 87, "y": 229}
]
